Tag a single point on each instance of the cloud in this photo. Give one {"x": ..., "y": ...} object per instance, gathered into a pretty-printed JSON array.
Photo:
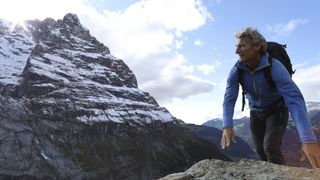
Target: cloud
[
  {"x": 148, "y": 39},
  {"x": 308, "y": 83},
  {"x": 146, "y": 35},
  {"x": 284, "y": 29},
  {"x": 198, "y": 42},
  {"x": 17, "y": 11},
  {"x": 143, "y": 29},
  {"x": 176, "y": 81},
  {"x": 178, "y": 44},
  {"x": 208, "y": 69},
  {"x": 196, "y": 109}
]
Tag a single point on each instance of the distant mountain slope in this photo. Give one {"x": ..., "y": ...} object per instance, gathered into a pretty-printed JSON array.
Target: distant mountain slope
[
  {"x": 240, "y": 126},
  {"x": 236, "y": 151}
]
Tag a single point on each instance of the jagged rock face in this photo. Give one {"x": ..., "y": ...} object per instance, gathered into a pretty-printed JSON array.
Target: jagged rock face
[
  {"x": 66, "y": 69},
  {"x": 69, "y": 109},
  {"x": 16, "y": 46},
  {"x": 43, "y": 148},
  {"x": 245, "y": 169}
]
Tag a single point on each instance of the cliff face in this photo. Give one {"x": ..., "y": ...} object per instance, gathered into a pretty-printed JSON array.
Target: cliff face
[{"x": 70, "y": 109}]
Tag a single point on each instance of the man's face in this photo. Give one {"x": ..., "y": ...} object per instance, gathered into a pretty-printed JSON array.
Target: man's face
[{"x": 246, "y": 50}]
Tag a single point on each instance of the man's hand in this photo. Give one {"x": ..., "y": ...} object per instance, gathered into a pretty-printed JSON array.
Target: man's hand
[
  {"x": 312, "y": 152},
  {"x": 226, "y": 136}
]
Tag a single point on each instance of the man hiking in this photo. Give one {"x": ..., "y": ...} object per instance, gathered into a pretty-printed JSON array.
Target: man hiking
[{"x": 268, "y": 106}]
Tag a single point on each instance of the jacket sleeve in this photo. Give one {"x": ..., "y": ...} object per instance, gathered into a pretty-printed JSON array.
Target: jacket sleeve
[
  {"x": 230, "y": 98},
  {"x": 294, "y": 101}
]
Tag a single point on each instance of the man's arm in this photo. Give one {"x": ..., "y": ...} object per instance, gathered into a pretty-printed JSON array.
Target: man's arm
[
  {"x": 295, "y": 102},
  {"x": 230, "y": 98},
  {"x": 297, "y": 108}
]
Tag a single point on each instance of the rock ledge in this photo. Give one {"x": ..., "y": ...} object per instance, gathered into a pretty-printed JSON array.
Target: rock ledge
[{"x": 245, "y": 169}]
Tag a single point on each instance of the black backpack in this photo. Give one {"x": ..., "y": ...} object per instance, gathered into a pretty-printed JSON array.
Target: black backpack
[{"x": 277, "y": 51}]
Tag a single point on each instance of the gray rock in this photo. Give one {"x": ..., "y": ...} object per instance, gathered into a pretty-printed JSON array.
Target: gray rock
[{"x": 245, "y": 170}]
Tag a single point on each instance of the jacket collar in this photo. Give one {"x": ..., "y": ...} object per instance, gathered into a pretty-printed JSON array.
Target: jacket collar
[{"x": 263, "y": 63}]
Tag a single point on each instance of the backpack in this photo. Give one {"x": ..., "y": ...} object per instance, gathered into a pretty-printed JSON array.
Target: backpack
[{"x": 277, "y": 51}]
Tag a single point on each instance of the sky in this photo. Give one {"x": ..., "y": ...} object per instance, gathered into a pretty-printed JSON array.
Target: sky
[{"x": 181, "y": 51}]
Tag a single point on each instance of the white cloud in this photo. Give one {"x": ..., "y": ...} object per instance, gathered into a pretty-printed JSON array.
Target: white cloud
[
  {"x": 17, "y": 11},
  {"x": 175, "y": 80},
  {"x": 308, "y": 83},
  {"x": 284, "y": 29},
  {"x": 179, "y": 44},
  {"x": 147, "y": 39},
  {"x": 208, "y": 69},
  {"x": 149, "y": 30},
  {"x": 196, "y": 109},
  {"x": 198, "y": 42}
]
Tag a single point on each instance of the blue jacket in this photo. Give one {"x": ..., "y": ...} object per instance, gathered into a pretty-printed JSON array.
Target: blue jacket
[{"x": 261, "y": 95}]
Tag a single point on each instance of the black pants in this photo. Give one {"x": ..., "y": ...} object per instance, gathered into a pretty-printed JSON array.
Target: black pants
[{"x": 267, "y": 130}]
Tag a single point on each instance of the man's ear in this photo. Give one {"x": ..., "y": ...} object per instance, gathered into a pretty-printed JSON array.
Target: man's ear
[{"x": 257, "y": 47}]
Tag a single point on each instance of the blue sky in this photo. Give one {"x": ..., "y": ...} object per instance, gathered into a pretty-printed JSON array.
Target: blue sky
[{"x": 182, "y": 50}]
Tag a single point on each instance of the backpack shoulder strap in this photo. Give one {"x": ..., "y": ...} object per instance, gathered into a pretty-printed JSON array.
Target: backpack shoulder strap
[
  {"x": 240, "y": 80},
  {"x": 267, "y": 74},
  {"x": 240, "y": 76}
]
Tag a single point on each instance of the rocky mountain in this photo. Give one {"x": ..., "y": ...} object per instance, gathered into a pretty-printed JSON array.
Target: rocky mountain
[
  {"x": 291, "y": 143},
  {"x": 211, "y": 169},
  {"x": 71, "y": 110},
  {"x": 314, "y": 113}
]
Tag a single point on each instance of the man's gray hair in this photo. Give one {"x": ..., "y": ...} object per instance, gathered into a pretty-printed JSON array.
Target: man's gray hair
[{"x": 254, "y": 36}]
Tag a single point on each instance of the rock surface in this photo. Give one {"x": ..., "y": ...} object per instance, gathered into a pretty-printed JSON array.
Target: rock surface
[{"x": 245, "y": 170}]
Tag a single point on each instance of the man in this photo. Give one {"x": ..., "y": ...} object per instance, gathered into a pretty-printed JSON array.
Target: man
[{"x": 268, "y": 107}]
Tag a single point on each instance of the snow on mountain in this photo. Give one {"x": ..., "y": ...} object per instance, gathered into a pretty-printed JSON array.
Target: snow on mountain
[
  {"x": 60, "y": 58},
  {"x": 15, "y": 48},
  {"x": 313, "y": 106}
]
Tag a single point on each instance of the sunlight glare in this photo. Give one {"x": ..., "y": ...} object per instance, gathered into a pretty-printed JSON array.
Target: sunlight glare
[
  {"x": 18, "y": 11},
  {"x": 14, "y": 11}
]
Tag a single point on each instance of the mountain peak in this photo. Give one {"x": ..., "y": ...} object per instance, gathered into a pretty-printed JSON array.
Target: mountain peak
[
  {"x": 71, "y": 18},
  {"x": 61, "y": 62},
  {"x": 72, "y": 21}
]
